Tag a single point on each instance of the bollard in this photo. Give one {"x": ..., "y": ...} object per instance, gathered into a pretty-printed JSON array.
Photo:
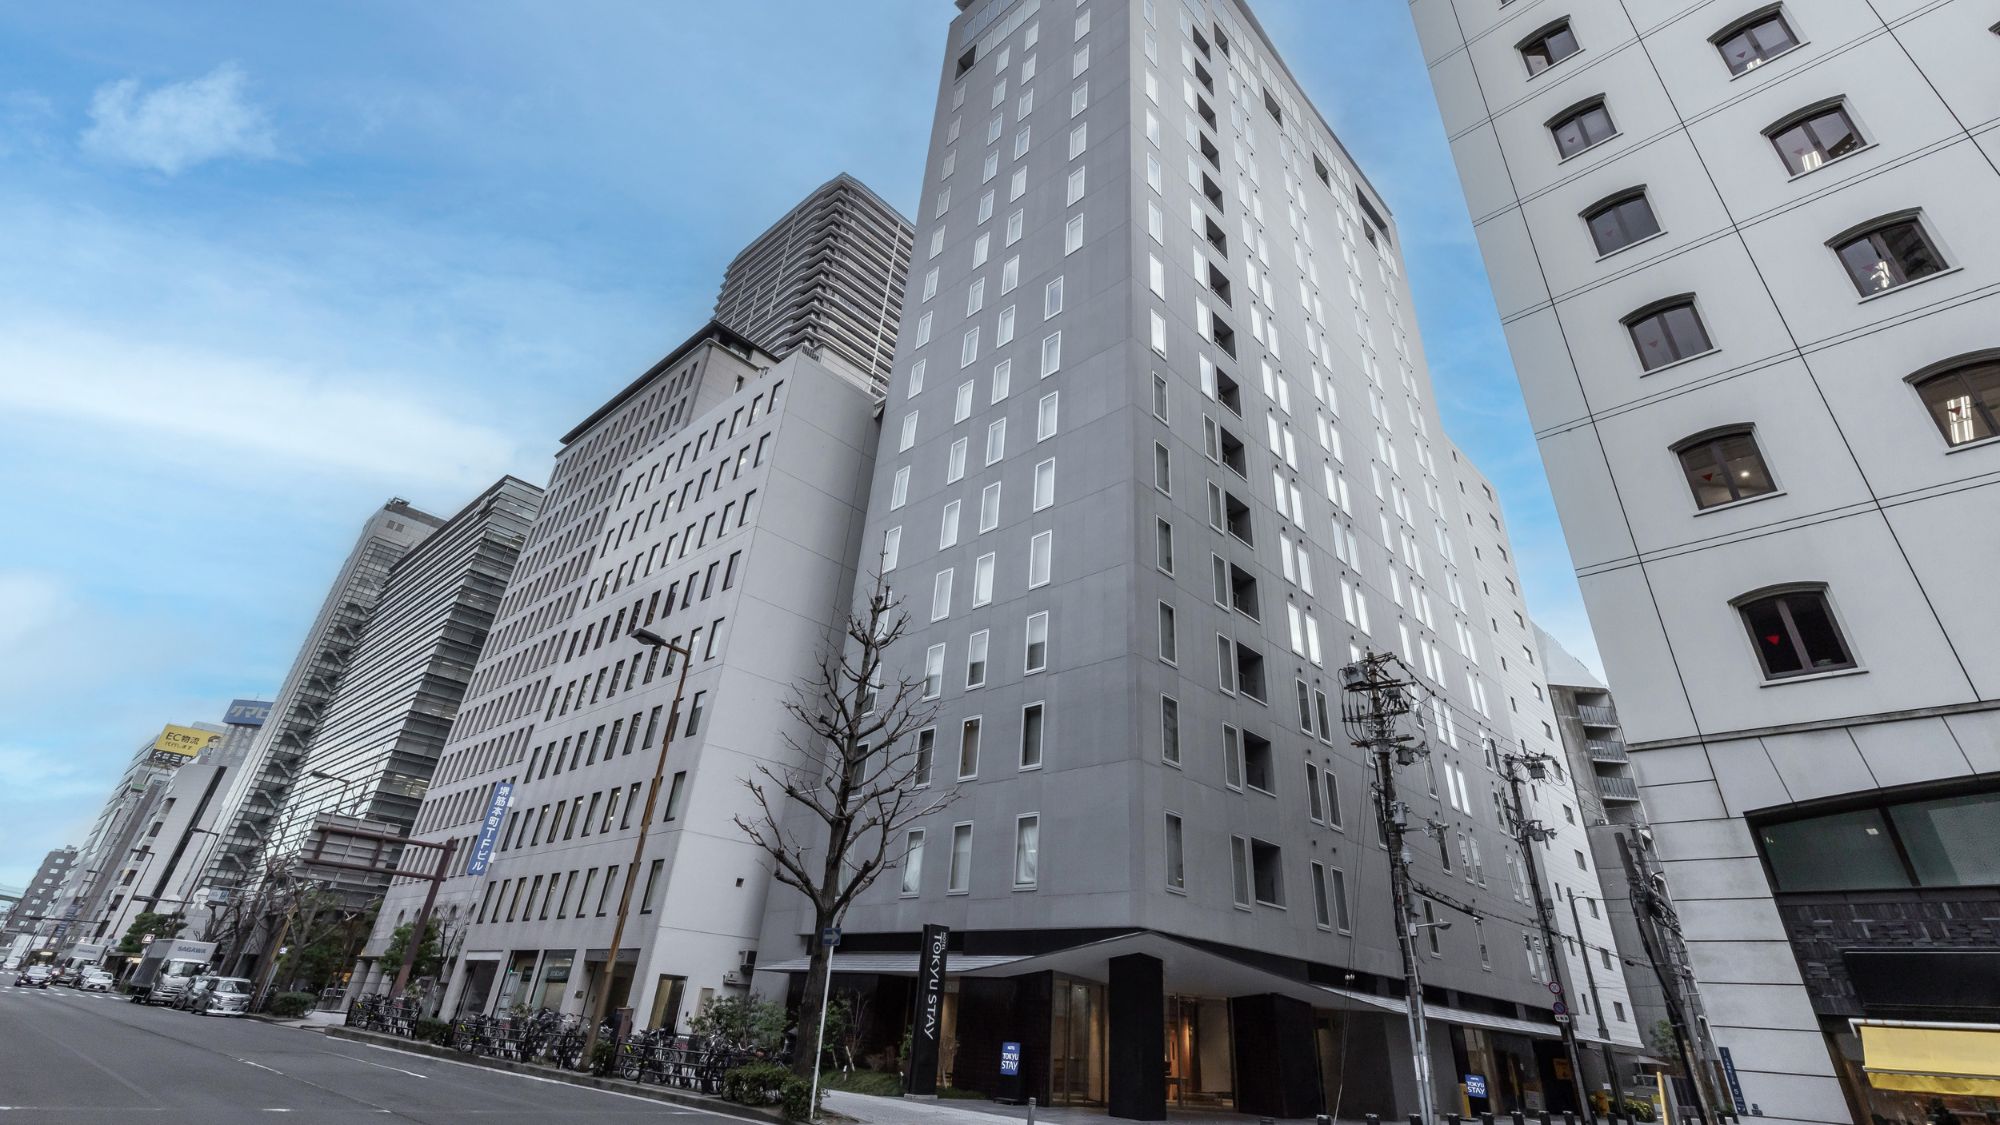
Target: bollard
[
  {"x": 1542, "y": 1118},
  {"x": 1371, "y": 1119},
  {"x": 1485, "y": 1119},
  {"x": 1519, "y": 1117},
  {"x": 1453, "y": 1119},
  {"x": 1416, "y": 1119},
  {"x": 1323, "y": 1119},
  {"x": 1569, "y": 1118},
  {"x": 1031, "y": 1111}
]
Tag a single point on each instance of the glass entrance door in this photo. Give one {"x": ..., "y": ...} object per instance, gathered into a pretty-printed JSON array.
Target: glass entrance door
[
  {"x": 1076, "y": 1043},
  {"x": 1199, "y": 1062}
]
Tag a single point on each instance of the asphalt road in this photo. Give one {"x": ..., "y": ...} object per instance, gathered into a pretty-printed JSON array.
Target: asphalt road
[{"x": 74, "y": 1058}]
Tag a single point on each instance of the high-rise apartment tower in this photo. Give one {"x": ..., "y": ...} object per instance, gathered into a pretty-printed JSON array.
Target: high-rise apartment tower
[{"x": 827, "y": 278}]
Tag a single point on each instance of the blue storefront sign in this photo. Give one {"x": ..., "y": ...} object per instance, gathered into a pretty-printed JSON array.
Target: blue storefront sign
[
  {"x": 1475, "y": 1085},
  {"x": 489, "y": 829},
  {"x": 1735, "y": 1087},
  {"x": 1010, "y": 1059}
]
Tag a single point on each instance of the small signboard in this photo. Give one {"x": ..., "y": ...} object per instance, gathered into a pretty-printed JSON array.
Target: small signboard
[
  {"x": 1735, "y": 1086},
  {"x": 1010, "y": 1060},
  {"x": 830, "y": 936},
  {"x": 1475, "y": 1085},
  {"x": 1561, "y": 1008}
]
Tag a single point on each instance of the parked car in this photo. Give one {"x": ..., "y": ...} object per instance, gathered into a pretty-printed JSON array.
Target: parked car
[
  {"x": 64, "y": 976},
  {"x": 183, "y": 1000},
  {"x": 34, "y": 976},
  {"x": 97, "y": 980},
  {"x": 219, "y": 996}
]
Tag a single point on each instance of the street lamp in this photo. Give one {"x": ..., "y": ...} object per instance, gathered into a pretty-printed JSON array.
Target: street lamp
[
  {"x": 603, "y": 996},
  {"x": 340, "y": 801}
]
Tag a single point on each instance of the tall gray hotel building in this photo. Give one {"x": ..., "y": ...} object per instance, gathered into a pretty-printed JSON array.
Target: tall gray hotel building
[{"x": 1155, "y": 454}]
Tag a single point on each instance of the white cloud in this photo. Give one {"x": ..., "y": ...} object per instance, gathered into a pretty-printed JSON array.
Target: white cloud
[
  {"x": 242, "y": 411},
  {"x": 179, "y": 125}
]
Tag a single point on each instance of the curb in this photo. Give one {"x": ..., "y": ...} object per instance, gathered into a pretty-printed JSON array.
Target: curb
[{"x": 611, "y": 1085}]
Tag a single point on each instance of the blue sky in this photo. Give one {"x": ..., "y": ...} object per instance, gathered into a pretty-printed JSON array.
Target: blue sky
[{"x": 269, "y": 265}]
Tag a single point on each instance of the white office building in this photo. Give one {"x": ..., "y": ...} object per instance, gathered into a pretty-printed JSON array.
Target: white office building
[{"x": 1749, "y": 267}]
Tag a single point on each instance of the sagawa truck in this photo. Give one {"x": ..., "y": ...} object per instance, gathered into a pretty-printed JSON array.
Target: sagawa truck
[{"x": 166, "y": 969}]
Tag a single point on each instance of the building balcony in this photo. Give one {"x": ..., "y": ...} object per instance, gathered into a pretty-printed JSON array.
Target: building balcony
[
  {"x": 1615, "y": 788},
  {"x": 1605, "y": 750},
  {"x": 1594, "y": 715}
]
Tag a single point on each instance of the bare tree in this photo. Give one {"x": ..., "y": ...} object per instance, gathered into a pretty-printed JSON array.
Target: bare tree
[{"x": 861, "y": 779}]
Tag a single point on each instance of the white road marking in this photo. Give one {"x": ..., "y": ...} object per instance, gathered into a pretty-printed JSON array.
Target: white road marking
[{"x": 260, "y": 1066}]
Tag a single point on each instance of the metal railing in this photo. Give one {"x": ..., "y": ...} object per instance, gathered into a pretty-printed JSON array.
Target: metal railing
[
  {"x": 1596, "y": 715},
  {"x": 1617, "y": 788},
  {"x": 1605, "y": 750}
]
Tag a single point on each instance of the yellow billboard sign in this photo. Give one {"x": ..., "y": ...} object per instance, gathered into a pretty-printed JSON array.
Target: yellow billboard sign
[{"x": 177, "y": 745}]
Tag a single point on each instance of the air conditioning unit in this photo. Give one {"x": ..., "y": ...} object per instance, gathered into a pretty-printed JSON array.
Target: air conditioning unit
[{"x": 733, "y": 979}]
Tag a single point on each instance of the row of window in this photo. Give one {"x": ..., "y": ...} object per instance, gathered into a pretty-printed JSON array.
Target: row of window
[{"x": 1748, "y": 43}]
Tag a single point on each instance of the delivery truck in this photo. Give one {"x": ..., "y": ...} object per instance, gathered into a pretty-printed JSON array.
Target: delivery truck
[{"x": 166, "y": 968}]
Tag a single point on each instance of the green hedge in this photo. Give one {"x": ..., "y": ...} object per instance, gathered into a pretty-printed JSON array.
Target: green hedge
[
  {"x": 292, "y": 1005},
  {"x": 764, "y": 1084}
]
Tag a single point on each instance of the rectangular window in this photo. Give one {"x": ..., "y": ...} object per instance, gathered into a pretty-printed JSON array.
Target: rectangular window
[
  {"x": 941, "y": 595},
  {"x": 1239, "y": 871},
  {"x": 1045, "y": 484},
  {"x": 954, "y": 466},
  {"x": 1052, "y": 298},
  {"x": 920, "y": 765},
  {"x": 934, "y": 672},
  {"x": 989, "y": 507},
  {"x": 1036, "y": 657},
  {"x": 982, "y": 579},
  {"x": 1170, "y": 730},
  {"x": 975, "y": 660},
  {"x": 913, "y": 861},
  {"x": 961, "y": 860},
  {"x": 892, "y": 548},
  {"x": 1027, "y": 850},
  {"x": 1031, "y": 736},
  {"x": 948, "y": 526},
  {"x": 652, "y": 896},
  {"x": 1169, "y": 644},
  {"x": 1045, "y": 417},
  {"x": 1322, "y": 907},
  {"x": 1041, "y": 550},
  {"x": 1051, "y": 354},
  {"x": 996, "y": 440},
  {"x": 968, "y": 750}
]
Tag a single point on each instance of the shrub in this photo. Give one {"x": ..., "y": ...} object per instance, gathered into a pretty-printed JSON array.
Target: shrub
[
  {"x": 432, "y": 1031},
  {"x": 795, "y": 1098},
  {"x": 292, "y": 1005},
  {"x": 1639, "y": 1109},
  {"x": 757, "y": 1084},
  {"x": 877, "y": 1082},
  {"x": 603, "y": 1058}
]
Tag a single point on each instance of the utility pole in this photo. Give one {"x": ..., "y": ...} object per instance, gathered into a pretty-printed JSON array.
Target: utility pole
[
  {"x": 1651, "y": 908},
  {"x": 1376, "y": 698},
  {"x": 1528, "y": 833},
  {"x": 1596, "y": 1001},
  {"x": 603, "y": 993}
]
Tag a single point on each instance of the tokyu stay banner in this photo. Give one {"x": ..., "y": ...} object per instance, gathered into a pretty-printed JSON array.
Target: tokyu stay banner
[{"x": 489, "y": 829}]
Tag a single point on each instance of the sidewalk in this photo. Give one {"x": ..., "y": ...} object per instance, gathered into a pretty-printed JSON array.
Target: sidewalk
[{"x": 871, "y": 1110}]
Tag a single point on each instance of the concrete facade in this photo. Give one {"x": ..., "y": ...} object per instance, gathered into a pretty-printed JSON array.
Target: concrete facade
[
  {"x": 730, "y": 528},
  {"x": 1159, "y": 456},
  {"x": 1871, "y": 500}
]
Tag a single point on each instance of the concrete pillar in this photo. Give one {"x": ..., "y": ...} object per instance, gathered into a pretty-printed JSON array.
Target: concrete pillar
[{"x": 1137, "y": 1023}]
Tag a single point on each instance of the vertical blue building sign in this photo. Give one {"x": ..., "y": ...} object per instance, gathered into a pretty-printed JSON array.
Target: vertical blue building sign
[{"x": 489, "y": 829}]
